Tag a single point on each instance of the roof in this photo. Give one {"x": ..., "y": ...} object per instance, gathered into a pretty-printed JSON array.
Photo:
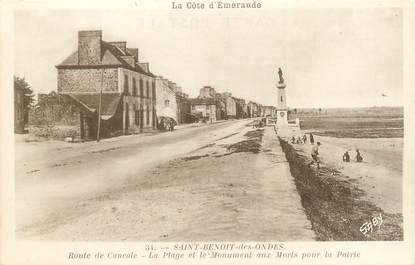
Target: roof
[
  {"x": 111, "y": 56},
  {"x": 202, "y": 101},
  {"x": 90, "y": 102}
]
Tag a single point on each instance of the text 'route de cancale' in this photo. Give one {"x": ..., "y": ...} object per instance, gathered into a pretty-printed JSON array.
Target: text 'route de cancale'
[{"x": 215, "y": 5}]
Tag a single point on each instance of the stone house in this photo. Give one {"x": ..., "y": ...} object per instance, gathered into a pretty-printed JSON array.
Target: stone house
[
  {"x": 207, "y": 92},
  {"x": 128, "y": 101},
  {"x": 183, "y": 108},
  {"x": 241, "y": 108},
  {"x": 230, "y": 105},
  {"x": 183, "y": 104},
  {"x": 172, "y": 101},
  {"x": 260, "y": 110},
  {"x": 253, "y": 109},
  {"x": 166, "y": 99},
  {"x": 204, "y": 109}
]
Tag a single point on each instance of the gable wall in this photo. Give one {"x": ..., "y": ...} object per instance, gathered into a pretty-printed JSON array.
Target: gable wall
[{"x": 87, "y": 80}]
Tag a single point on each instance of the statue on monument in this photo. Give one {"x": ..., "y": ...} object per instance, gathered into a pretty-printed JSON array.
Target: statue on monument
[{"x": 280, "y": 75}]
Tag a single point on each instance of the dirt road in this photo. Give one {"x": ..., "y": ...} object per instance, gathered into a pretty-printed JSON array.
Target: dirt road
[{"x": 224, "y": 181}]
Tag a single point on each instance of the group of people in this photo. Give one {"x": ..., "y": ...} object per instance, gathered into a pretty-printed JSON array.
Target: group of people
[
  {"x": 346, "y": 156},
  {"x": 316, "y": 159},
  {"x": 302, "y": 140},
  {"x": 314, "y": 150}
]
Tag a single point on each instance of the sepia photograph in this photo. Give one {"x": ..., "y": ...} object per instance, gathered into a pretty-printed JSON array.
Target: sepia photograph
[
  {"x": 286, "y": 125},
  {"x": 206, "y": 130}
]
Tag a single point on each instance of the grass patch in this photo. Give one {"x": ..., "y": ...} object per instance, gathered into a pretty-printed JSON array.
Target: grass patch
[
  {"x": 363, "y": 133},
  {"x": 354, "y": 126},
  {"x": 253, "y": 144},
  {"x": 190, "y": 158}
]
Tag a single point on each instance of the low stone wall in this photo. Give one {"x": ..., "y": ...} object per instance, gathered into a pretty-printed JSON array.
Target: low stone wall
[{"x": 55, "y": 132}]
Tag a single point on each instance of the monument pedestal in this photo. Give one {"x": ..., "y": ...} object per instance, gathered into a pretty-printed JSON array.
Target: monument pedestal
[
  {"x": 283, "y": 127},
  {"x": 282, "y": 119}
]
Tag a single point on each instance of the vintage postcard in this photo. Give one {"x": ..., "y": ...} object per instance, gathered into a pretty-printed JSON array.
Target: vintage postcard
[{"x": 207, "y": 132}]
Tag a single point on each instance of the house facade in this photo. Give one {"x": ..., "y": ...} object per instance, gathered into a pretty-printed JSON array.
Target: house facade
[
  {"x": 207, "y": 92},
  {"x": 230, "y": 105},
  {"x": 166, "y": 99},
  {"x": 241, "y": 108},
  {"x": 204, "y": 109},
  {"x": 107, "y": 78},
  {"x": 183, "y": 108},
  {"x": 253, "y": 109}
]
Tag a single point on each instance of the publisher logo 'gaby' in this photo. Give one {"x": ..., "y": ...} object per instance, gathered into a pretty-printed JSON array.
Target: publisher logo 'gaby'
[{"x": 215, "y": 5}]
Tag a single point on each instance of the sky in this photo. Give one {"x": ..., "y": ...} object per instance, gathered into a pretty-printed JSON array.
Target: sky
[{"x": 329, "y": 57}]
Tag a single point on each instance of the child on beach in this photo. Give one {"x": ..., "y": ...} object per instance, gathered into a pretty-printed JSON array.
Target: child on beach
[{"x": 314, "y": 155}]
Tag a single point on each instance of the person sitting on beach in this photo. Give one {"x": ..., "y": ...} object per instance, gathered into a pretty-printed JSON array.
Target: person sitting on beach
[
  {"x": 314, "y": 155},
  {"x": 293, "y": 140},
  {"x": 359, "y": 157},
  {"x": 346, "y": 157},
  {"x": 299, "y": 140}
]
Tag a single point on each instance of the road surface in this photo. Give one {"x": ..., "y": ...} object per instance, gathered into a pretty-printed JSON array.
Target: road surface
[{"x": 213, "y": 182}]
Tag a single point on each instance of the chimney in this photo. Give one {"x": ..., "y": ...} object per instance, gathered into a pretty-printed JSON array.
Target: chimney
[
  {"x": 122, "y": 45},
  {"x": 144, "y": 66},
  {"x": 89, "y": 47},
  {"x": 172, "y": 85}
]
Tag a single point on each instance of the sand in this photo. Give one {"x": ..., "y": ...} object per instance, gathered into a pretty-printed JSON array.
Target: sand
[{"x": 380, "y": 174}]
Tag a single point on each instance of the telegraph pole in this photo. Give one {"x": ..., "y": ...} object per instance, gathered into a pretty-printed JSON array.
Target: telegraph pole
[{"x": 100, "y": 106}]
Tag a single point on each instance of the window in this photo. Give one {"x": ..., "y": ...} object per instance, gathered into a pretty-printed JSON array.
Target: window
[
  {"x": 138, "y": 117},
  {"x": 134, "y": 87},
  {"x": 127, "y": 116},
  {"x": 141, "y": 88},
  {"x": 126, "y": 84},
  {"x": 207, "y": 107},
  {"x": 166, "y": 103},
  {"x": 141, "y": 117},
  {"x": 281, "y": 98},
  {"x": 148, "y": 89},
  {"x": 148, "y": 115}
]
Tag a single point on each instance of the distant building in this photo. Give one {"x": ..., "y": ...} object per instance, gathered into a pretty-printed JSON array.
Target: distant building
[
  {"x": 128, "y": 87},
  {"x": 230, "y": 105},
  {"x": 183, "y": 108},
  {"x": 204, "y": 109},
  {"x": 261, "y": 112},
  {"x": 241, "y": 108},
  {"x": 207, "y": 92},
  {"x": 253, "y": 109},
  {"x": 172, "y": 101},
  {"x": 269, "y": 111},
  {"x": 166, "y": 99}
]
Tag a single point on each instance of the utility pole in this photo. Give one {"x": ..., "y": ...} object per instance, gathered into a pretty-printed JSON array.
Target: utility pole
[{"x": 100, "y": 106}]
